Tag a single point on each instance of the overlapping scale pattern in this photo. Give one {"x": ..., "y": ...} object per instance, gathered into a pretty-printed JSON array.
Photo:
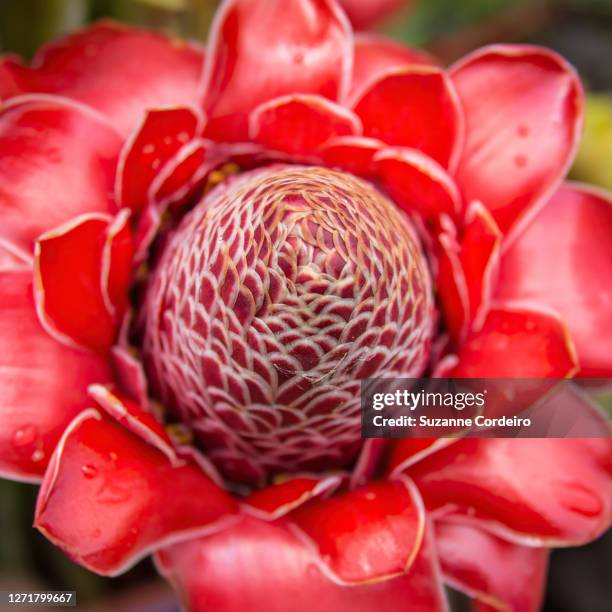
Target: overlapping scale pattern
[{"x": 275, "y": 296}]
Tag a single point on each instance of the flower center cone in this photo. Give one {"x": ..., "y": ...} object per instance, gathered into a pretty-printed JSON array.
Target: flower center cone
[{"x": 277, "y": 294}]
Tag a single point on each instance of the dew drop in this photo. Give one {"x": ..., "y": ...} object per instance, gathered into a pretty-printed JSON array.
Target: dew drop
[
  {"x": 89, "y": 471},
  {"x": 25, "y": 436},
  {"x": 312, "y": 570},
  {"x": 523, "y": 131},
  {"x": 298, "y": 58},
  {"x": 502, "y": 343},
  {"x": 520, "y": 161},
  {"x": 370, "y": 496},
  {"x": 578, "y": 498},
  {"x": 148, "y": 149},
  {"x": 38, "y": 455}
]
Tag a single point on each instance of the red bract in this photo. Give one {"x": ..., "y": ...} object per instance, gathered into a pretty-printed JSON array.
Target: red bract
[{"x": 181, "y": 366}]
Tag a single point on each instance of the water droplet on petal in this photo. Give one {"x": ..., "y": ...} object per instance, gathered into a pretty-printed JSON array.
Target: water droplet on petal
[
  {"x": 38, "y": 455},
  {"x": 523, "y": 131},
  {"x": 578, "y": 498},
  {"x": 312, "y": 570},
  {"x": 25, "y": 436},
  {"x": 89, "y": 471},
  {"x": 502, "y": 343},
  {"x": 520, "y": 161}
]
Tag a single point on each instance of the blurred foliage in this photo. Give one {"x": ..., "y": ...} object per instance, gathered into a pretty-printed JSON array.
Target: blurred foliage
[
  {"x": 26, "y": 24},
  {"x": 594, "y": 161},
  {"x": 604, "y": 399},
  {"x": 424, "y": 23},
  {"x": 22, "y": 549},
  {"x": 431, "y": 19},
  {"x": 190, "y": 18},
  {"x": 13, "y": 547}
]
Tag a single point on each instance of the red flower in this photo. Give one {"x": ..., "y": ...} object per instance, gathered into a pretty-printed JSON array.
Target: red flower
[{"x": 338, "y": 163}]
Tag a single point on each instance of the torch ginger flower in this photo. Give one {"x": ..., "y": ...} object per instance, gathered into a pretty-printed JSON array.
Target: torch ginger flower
[{"x": 203, "y": 251}]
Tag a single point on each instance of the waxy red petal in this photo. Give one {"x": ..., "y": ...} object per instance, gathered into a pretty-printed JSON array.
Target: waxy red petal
[
  {"x": 195, "y": 456},
  {"x": 517, "y": 342},
  {"x": 300, "y": 124},
  {"x": 119, "y": 71},
  {"x": 370, "y": 455},
  {"x": 81, "y": 299},
  {"x": 108, "y": 498},
  {"x": 13, "y": 257},
  {"x": 542, "y": 492},
  {"x": 257, "y": 565},
  {"x": 157, "y": 139},
  {"x": 523, "y": 110},
  {"x": 352, "y": 153},
  {"x": 248, "y": 155},
  {"x": 562, "y": 259},
  {"x": 414, "y": 107},
  {"x": 417, "y": 183},
  {"x": 407, "y": 451},
  {"x": 505, "y": 575},
  {"x": 57, "y": 160},
  {"x": 134, "y": 418},
  {"x": 567, "y": 412},
  {"x": 451, "y": 285},
  {"x": 276, "y": 500},
  {"x": 148, "y": 224},
  {"x": 43, "y": 384},
  {"x": 372, "y": 532},
  {"x": 375, "y": 54},
  {"x": 480, "y": 251},
  {"x": 263, "y": 50},
  {"x": 184, "y": 175},
  {"x": 117, "y": 260},
  {"x": 130, "y": 374}
]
